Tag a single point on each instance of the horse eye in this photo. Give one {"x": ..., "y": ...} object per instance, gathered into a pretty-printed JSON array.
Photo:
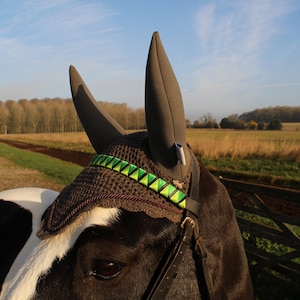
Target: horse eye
[{"x": 106, "y": 270}]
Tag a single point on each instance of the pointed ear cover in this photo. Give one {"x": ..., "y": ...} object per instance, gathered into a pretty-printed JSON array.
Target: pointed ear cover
[
  {"x": 100, "y": 127},
  {"x": 164, "y": 112}
]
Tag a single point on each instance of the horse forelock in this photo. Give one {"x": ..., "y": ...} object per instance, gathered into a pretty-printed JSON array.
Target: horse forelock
[{"x": 22, "y": 285}]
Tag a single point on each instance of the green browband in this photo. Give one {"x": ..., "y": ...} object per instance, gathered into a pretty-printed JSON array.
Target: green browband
[{"x": 149, "y": 180}]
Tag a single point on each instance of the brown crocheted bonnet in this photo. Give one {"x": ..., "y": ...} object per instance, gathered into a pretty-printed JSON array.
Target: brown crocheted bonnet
[{"x": 100, "y": 186}]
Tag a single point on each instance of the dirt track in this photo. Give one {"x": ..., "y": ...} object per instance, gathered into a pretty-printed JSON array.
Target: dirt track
[{"x": 79, "y": 158}]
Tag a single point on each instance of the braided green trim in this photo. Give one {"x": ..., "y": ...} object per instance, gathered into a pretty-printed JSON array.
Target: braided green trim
[{"x": 158, "y": 185}]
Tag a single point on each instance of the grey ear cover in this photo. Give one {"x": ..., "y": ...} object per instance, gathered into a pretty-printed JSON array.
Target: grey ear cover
[
  {"x": 100, "y": 127},
  {"x": 164, "y": 113}
]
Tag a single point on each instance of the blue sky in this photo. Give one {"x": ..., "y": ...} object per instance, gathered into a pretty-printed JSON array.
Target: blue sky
[{"x": 229, "y": 56}]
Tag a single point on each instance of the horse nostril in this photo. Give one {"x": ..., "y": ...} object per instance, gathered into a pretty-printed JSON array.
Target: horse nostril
[{"x": 106, "y": 270}]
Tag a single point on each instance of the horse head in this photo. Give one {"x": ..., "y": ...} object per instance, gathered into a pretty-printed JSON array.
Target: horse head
[{"x": 144, "y": 219}]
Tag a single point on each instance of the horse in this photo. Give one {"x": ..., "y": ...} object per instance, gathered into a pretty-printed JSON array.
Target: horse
[{"x": 144, "y": 220}]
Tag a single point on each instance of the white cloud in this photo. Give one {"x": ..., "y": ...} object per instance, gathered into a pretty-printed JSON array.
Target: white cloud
[
  {"x": 42, "y": 38},
  {"x": 233, "y": 36}
]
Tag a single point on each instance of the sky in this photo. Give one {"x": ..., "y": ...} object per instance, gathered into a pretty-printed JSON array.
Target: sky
[{"x": 229, "y": 56}]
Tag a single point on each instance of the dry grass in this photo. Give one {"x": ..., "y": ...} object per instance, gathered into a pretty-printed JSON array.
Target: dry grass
[
  {"x": 13, "y": 176},
  {"x": 291, "y": 126},
  {"x": 210, "y": 144},
  {"x": 75, "y": 141},
  {"x": 214, "y": 144}
]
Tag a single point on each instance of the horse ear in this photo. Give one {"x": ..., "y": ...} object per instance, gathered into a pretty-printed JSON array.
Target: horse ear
[
  {"x": 100, "y": 127},
  {"x": 164, "y": 113}
]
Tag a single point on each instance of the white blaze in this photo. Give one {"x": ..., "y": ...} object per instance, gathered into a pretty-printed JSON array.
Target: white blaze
[{"x": 37, "y": 256}]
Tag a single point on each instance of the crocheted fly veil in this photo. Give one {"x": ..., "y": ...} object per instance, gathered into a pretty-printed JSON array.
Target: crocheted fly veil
[{"x": 144, "y": 171}]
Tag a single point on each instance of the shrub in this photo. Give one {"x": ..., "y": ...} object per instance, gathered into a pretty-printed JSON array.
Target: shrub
[{"x": 275, "y": 124}]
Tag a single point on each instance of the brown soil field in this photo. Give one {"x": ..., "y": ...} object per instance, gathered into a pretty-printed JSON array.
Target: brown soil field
[{"x": 13, "y": 176}]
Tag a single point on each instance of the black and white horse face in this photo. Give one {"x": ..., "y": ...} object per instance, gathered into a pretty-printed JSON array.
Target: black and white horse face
[
  {"x": 106, "y": 253},
  {"x": 109, "y": 262}
]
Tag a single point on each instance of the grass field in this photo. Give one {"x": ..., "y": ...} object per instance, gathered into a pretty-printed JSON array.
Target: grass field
[
  {"x": 291, "y": 126},
  {"x": 75, "y": 141},
  {"x": 47, "y": 172},
  {"x": 209, "y": 144},
  {"x": 235, "y": 144},
  {"x": 14, "y": 176},
  {"x": 269, "y": 157}
]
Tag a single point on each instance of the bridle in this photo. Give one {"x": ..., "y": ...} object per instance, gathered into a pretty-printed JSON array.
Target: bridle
[
  {"x": 188, "y": 237},
  {"x": 188, "y": 231}
]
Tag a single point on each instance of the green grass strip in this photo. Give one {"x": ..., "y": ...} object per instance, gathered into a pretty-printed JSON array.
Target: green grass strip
[
  {"x": 55, "y": 169},
  {"x": 257, "y": 170}
]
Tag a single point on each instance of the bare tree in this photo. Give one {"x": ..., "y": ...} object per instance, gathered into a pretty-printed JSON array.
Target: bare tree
[{"x": 3, "y": 118}]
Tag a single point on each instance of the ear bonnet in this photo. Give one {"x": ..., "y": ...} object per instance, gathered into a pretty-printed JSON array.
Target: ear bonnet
[{"x": 144, "y": 171}]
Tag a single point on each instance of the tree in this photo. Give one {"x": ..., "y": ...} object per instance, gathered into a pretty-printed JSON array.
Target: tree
[
  {"x": 275, "y": 124},
  {"x": 59, "y": 115},
  {"x": 240, "y": 124},
  {"x": 44, "y": 110},
  {"x": 196, "y": 124},
  {"x": 3, "y": 118},
  {"x": 15, "y": 117},
  {"x": 227, "y": 123},
  {"x": 283, "y": 113},
  {"x": 252, "y": 125},
  {"x": 31, "y": 117},
  {"x": 206, "y": 121},
  {"x": 188, "y": 123},
  {"x": 261, "y": 126}
]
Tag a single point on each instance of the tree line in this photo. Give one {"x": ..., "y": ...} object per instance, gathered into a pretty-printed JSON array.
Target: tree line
[
  {"x": 58, "y": 115},
  {"x": 234, "y": 122},
  {"x": 270, "y": 118},
  {"x": 265, "y": 115},
  {"x": 237, "y": 123}
]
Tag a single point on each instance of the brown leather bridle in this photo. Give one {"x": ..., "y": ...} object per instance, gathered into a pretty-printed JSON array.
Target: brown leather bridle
[{"x": 187, "y": 238}]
